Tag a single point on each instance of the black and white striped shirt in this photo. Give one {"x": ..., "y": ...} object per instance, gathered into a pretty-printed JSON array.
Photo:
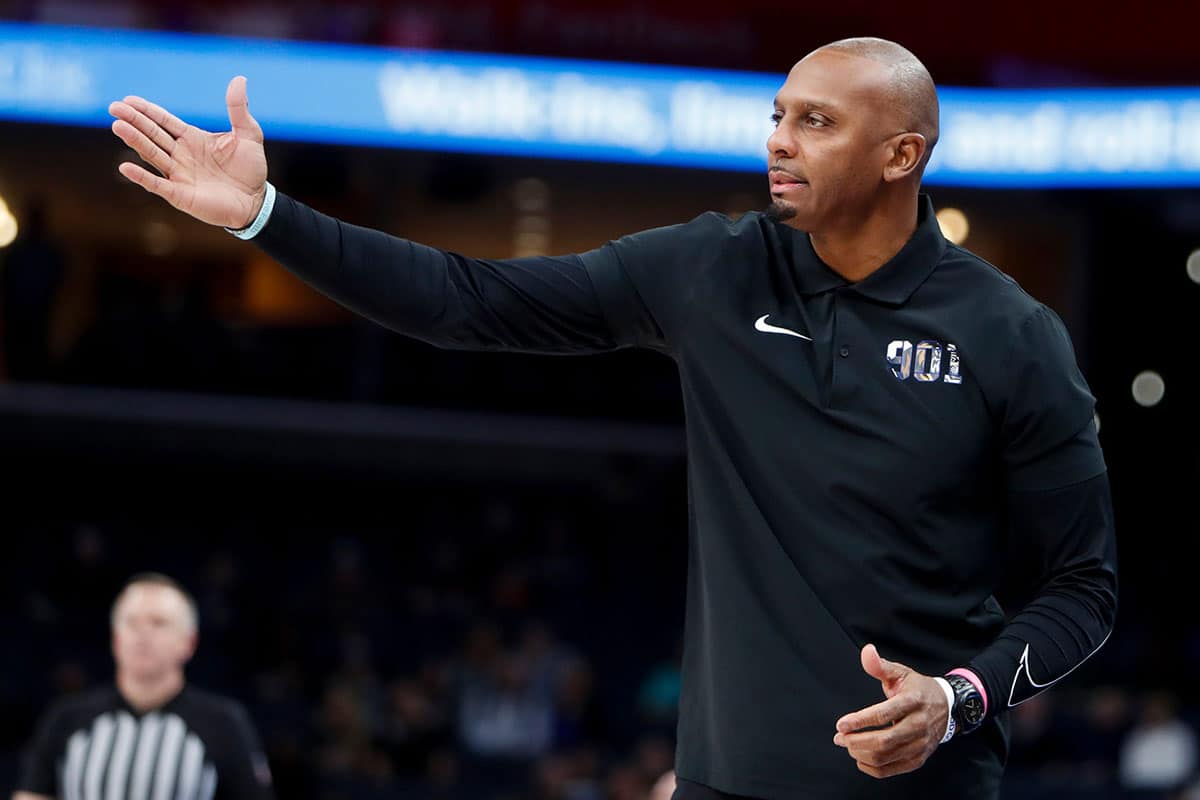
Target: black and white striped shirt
[{"x": 197, "y": 746}]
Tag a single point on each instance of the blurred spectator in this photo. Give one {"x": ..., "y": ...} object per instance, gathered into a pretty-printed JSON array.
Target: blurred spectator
[
  {"x": 32, "y": 269},
  {"x": 343, "y": 719},
  {"x": 81, "y": 586},
  {"x": 654, "y": 757},
  {"x": 349, "y": 592},
  {"x": 281, "y": 710},
  {"x": 349, "y": 765},
  {"x": 626, "y": 783},
  {"x": 567, "y": 777},
  {"x": 414, "y": 727},
  {"x": 216, "y": 594},
  {"x": 356, "y": 670},
  {"x": 552, "y": 778},
  {"x": 1097, "y": 738},
  {"x": 1041, "y": 738},
  {"x": 442, "y": 777},
  {"x": 69, "y": 677},
  {"x": 114, "y": 347},
  {"x": 503, "y": 715},
  {"x": 545, "y": 659},
  {"x": 1160, "y": 752},
  {"x": 191, "y": 350},
  {"x": 579, "y": 719}
]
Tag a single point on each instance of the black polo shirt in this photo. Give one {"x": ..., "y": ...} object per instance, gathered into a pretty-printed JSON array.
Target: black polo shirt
[
  {"x": 852, "y": 454},
  {"x": 850, "y": 446}
]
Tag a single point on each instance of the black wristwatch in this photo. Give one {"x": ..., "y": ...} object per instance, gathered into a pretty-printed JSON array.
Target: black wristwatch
[{"x": 967, "y": 711}]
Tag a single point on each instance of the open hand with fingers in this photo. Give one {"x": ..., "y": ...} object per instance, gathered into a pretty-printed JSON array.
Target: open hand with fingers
[
  {"x": 899, "y": 734},
  {"x": 218, "y": 178}
]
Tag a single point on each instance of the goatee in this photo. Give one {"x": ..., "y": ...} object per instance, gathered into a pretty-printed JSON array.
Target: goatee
[{"x": 780, "y": 212}]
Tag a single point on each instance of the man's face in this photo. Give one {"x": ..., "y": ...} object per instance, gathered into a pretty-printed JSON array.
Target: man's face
[
  {"x": 831, "y": 140},
  {"x": 152, "y": 632}
]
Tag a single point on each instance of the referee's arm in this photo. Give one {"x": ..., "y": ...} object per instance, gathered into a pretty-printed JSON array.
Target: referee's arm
[{"x": 243, "y": 772}]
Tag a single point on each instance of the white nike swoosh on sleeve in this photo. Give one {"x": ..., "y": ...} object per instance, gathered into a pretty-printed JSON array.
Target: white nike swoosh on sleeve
[
  {"x": 1023, "y": 668},
  {"x": 761, "y": 325}
]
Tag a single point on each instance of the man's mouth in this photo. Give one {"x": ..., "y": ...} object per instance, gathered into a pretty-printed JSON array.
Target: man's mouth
[{"x": 782, "y": 181}]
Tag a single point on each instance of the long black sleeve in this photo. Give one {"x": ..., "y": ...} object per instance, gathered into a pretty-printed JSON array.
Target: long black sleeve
[
  {"x": 1061, "y": 554},
  {"x": 1063, "y": 551},
  {"x": 537, "y": 304}
]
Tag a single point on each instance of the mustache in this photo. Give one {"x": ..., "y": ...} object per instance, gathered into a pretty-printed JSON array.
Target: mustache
[{"x": 776, "y": 169}]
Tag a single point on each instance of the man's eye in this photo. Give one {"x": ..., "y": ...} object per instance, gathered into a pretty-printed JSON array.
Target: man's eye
[
  {"x": 815, "y": 121},
  {"x": 776, "y": 118}
]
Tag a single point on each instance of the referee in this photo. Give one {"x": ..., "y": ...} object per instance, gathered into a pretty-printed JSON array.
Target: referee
[
  {"x": 150, "y": 735},
  {"x": 881, "y": 427}
]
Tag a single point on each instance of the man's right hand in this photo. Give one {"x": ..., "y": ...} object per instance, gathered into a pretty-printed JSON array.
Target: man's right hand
[{"x": 218, "y": 178}]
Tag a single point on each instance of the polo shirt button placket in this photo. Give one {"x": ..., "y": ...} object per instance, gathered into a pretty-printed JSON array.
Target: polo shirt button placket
[{"x": 844, "y": 352}]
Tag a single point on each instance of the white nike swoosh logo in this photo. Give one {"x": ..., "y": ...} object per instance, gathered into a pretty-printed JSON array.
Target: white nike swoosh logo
[
  {"x": 1023, "y": 668},
  {"x": 761, "y": 325}
]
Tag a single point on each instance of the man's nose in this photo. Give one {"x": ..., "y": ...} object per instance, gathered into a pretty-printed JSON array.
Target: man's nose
[{"x": 780, "y": 143}]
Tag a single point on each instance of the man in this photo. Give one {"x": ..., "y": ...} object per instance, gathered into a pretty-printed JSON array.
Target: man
[
  {"x": 879, "y": 424},
  {"x": 31, "y": 275},
  {"x": 151, "y": 735}
]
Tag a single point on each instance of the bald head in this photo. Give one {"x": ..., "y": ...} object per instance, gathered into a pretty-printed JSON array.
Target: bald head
[
  {"x": 911, "y": 91},
  {"x": 855, "y": 123}
]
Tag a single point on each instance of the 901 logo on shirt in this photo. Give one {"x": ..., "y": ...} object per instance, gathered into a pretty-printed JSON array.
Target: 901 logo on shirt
[{"x": 924, "y": 362}]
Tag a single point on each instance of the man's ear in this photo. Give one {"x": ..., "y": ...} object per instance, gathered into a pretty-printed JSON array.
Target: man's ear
[
  {"x": 908, "y": 152},
  {"x": 192, "y": 641}
]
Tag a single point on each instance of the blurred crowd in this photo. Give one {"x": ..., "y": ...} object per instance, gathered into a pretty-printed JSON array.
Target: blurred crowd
[
  {"x": 474, "y": 661},
  {"x": 482, "y": 651},
  {"x": 1104, "y": 742}
]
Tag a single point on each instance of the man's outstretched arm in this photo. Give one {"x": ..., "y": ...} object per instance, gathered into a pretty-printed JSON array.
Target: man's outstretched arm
[
  {"x": 537, "y": 304},
  {"x": 540, "y": 304}
]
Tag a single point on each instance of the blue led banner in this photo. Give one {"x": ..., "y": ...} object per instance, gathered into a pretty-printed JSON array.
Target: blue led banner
[{"x": 561, "y": 108}]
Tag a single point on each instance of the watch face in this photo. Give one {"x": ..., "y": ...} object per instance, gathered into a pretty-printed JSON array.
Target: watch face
[{"x": 972, "y": 709}]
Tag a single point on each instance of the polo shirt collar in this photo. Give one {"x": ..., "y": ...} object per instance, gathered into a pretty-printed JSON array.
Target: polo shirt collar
[{"x": 892, "y": 283}]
